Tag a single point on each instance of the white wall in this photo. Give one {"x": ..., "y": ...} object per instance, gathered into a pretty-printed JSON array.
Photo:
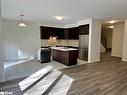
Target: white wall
[
  {"x": 94, "y": 40},
  {"x": 2, "y": 74},
  {"x": 117, "y": 40},
  {"x": 124, "y": 56},
  {"x": 27, "y": 40}
]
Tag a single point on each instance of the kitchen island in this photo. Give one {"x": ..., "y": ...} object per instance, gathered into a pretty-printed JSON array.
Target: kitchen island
[{"x": 65, "y": 55}]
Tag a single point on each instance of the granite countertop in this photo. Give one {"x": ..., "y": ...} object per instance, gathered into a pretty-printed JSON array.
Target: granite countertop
[{"x": 63, "y": 48}]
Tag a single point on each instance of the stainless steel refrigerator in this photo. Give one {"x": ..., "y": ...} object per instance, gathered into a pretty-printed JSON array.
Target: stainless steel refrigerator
[{"x": 83, "y": 47}]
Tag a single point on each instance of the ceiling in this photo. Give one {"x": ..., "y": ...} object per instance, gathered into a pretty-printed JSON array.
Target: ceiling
[{"x": 73, "y": 10}]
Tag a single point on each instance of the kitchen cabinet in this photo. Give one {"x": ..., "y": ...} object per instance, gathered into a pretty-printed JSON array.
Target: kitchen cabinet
[
  {"x": 65, "y": 56},
  {"x": 64, "y": 33},
  {"x": 74, "y": 33},
  {"x": 84, "y": 29},
  {"x": 46, "y": 32}
]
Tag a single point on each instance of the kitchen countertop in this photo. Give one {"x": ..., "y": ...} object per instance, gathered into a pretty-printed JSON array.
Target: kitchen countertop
[{"x": 63, "y": 48}]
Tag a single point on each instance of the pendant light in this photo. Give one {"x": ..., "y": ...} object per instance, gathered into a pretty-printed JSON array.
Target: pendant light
[{"x": 22, "y": 24}]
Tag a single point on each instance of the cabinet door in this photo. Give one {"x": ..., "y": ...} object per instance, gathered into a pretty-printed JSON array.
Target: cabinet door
[
  {"x": 66, "y": 33},
  {"x": 60, "y": 33},
  {"x": 53, "y": 32},
  {"x": 74, "y": 33},
  {"x": 84, "y": 29},
  {"x": 61, "y": 56},
  {"x": 44, "y": 32}
]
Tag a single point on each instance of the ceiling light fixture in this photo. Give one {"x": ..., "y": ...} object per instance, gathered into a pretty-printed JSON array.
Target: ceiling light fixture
[
  {"x": 22, "y": 24},
  {"x": 59, "y": 17},
  {"x": 112, "y": 21}
]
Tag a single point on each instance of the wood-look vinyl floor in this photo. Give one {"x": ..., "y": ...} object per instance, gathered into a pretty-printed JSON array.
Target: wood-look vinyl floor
[{"x": 108, "y": 77}]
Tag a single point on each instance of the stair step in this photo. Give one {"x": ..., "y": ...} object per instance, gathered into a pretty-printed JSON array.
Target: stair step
[
  {"x": 44, "y": 84},
  {"x": 62, "y": 86},
  {"x": 52, "y": 85},
  {"x": 34, "y": 77}
]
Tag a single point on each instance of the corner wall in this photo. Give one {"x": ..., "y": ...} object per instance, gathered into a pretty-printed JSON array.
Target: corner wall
[{"x": 94, "y": 41}]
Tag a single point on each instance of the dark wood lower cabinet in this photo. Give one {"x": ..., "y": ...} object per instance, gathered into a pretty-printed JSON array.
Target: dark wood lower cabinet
[{"x": 65, "y": 57}]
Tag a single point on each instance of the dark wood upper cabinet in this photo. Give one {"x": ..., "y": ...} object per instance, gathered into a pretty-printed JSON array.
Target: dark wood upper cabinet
[
  {"x": 74, "y": 33},
  {"x": 64, "y": 33},
  {"x": 60, "y": 33},
  {"x": 46, "y": 32},
  {"x": 84, "y": 29}
]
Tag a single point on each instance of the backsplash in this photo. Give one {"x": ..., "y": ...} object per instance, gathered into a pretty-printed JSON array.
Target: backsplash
[{"x": 62, "y": 42}]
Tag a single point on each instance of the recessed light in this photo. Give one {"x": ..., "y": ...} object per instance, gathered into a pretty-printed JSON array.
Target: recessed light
[
  {"x": 59, "y": 17},
  {"x": 110, "y": 26}
]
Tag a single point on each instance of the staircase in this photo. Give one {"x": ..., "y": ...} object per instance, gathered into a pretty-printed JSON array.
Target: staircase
[
  {"x": 103, "y": 40},
  {"x": 46, "y": 81}
]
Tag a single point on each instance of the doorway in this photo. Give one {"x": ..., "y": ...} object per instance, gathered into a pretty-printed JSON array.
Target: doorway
[{"x": 106, "y": 41}]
